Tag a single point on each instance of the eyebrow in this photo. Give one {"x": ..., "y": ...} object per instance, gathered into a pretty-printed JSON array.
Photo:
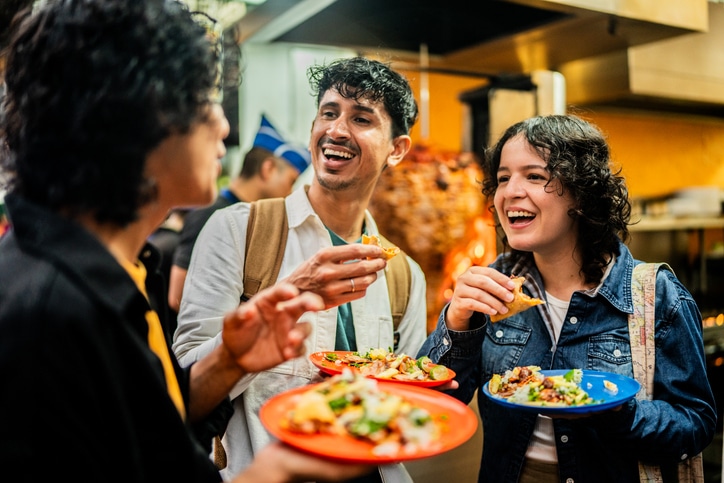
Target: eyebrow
[
  {"x": 357, "y": 107},
  {"x": 526, "y": 167}
]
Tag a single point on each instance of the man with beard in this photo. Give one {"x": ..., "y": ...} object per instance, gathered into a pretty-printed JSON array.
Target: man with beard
[{"x": 365, "y": 113}]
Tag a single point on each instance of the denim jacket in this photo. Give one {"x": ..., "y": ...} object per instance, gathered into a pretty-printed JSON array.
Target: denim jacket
[{"x": 678, "y": 423}]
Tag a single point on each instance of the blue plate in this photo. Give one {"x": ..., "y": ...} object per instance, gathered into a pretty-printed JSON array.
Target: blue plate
[{"x": 592, "y": 383}]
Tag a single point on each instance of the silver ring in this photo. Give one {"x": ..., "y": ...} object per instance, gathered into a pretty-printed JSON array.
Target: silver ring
[{"x": 351, "y": 280}]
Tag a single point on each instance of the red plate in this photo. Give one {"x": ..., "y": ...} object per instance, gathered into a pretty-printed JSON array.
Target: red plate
[
  {"x": 332, "y": 368},
  {"x": 458, "y": 421}
]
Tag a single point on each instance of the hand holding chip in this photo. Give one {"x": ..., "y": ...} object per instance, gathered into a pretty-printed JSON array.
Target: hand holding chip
[{"x": 485, "y": 290}]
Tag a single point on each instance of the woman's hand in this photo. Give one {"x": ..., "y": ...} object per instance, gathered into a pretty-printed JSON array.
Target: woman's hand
[{"x": 478, "y": 289}]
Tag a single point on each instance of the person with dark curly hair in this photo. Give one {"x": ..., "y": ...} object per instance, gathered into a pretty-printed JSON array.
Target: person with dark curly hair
[
  {"x": 563, "y": 213},
  {"x": 364, "y": 116},
  {"x": 110, "y": 121}
]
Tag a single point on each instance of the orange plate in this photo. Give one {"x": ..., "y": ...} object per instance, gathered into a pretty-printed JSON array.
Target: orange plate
[
  {"x": 332, "y": 368},
  {"x": 458, "y": 422}
]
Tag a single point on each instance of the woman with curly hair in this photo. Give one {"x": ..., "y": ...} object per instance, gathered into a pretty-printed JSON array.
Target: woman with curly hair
[
  {"x": 110, "y": 121},
  {"x": 563, "y": 214}
]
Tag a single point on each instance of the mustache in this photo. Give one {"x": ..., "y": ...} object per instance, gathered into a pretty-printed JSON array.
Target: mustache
[{"x": 326, "y": 141}]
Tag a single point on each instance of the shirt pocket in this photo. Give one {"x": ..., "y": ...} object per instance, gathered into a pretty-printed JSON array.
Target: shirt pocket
[
  {"x": 609, "y": 353},
  {"x": 504, "y": 346}
]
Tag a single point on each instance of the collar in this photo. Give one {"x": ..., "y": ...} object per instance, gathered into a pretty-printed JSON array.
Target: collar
[
  {"x": 615, "y": 286},
  {"x": 299, "y": 210},
  {"x": 76, "y": 252},
  {"x": 229, "y": 196}
]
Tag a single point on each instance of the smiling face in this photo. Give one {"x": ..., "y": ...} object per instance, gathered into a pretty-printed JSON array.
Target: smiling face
[
  {"x": 351, "y": 142},
  {"x": 532, "y": 212}
]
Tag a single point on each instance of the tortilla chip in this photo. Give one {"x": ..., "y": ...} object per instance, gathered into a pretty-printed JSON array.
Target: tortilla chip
[
  {"x": 520, "y": 301},
  {"x": 388, "y": 252}
]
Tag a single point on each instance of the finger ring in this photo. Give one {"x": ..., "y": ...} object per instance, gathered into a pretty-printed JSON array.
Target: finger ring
[{"x": 351, "y": 280}]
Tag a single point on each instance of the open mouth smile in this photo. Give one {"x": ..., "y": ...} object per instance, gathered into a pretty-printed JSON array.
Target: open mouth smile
[{"x": 519, "y": 216}]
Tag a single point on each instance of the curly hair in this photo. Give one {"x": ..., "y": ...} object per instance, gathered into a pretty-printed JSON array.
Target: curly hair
[
  {"x": 577, "y": 154},
  {"x": 361, "y": 78},
  {"x": 93, "y": 86}
]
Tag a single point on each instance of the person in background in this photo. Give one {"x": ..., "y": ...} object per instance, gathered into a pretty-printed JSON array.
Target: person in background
[
  {"x": 109, "y": 111},
  {"x": 166, "y": 238},
  {"x": 365, "y": 113},
  {"x": 269, "y": 170},
  {"x": 564, "y": 217}
]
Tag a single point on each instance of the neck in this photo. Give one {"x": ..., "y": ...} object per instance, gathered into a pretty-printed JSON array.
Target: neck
[
  {"x": 561, "y": 274},
  {"x": 340, "y": 211},
  {"x": 125, "y": 243},
  {"x": 246, "y": 189}
]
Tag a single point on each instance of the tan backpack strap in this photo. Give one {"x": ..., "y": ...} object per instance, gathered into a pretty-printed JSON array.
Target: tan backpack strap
[
  {"x": 266, "y": 237},
  {"x": 399, "y": 280}
]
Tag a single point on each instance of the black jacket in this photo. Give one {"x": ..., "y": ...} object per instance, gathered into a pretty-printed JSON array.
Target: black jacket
[{"x": 83, "y": 396}]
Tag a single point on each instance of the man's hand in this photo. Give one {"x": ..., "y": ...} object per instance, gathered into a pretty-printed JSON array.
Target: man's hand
[
  {"x": 339, "y": 274},
  {"x": 264, "y": 332}
]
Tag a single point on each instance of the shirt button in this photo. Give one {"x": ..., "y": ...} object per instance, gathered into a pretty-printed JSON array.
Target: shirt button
[
  {"x": 573, "y": 320},
  {"x": 499, "y": 333},
  {"x": 569, "y": 480},
  {"x": 684, "y": 456},
  {"x": 564, "y": 439},
  {"x": 617, "y": 353},
  {"x": 445, "y": 342}
]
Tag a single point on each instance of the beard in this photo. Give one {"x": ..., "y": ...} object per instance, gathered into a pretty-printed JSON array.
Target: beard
[{"x": 333, "y": 183}]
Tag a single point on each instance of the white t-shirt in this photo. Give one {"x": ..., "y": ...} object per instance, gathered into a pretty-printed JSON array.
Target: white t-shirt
[{"x": 542, "y": 447}]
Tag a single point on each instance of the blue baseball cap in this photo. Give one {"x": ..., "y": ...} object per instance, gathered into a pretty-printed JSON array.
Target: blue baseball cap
[{"x": 269, "y": 138}]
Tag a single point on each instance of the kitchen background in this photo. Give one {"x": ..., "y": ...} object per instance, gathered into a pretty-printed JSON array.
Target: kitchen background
[{"x": 649, "y": 73}]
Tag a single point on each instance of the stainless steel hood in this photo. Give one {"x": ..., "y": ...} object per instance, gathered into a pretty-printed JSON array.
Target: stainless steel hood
[
  {"x": 588, "y": 40},
  {"x": 684, "y": 73}
]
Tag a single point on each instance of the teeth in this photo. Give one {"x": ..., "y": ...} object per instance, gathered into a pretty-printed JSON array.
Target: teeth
[
  {"x": 515, "y": 214},
  {"x": 330, "y": 152}
]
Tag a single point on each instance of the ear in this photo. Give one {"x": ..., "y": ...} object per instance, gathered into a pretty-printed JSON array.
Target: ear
[
  {"x": 268, "y": 166},
  {"x": 401, "y": 145}
]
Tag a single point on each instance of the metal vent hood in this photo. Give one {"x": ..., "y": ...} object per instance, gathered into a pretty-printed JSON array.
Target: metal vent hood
[
  {"x": 684, "y": 73},
  {"x": 604, "y": 48}
]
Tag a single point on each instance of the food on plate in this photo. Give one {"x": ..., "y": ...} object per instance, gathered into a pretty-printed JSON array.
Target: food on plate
[
  {"x": 385, "y": 364},
  {"x": 610, "y": 386},
  {"x": 520, "y": 301},
  {"x": 527, "y": 385},
  {"x": 388, "y": 252},
  {"x": 354, "y": 405}
]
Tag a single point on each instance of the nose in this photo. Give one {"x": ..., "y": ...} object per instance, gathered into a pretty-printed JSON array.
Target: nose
[
  {"x": 514, "y": 188},
  {"x": 338, "y": 129}
]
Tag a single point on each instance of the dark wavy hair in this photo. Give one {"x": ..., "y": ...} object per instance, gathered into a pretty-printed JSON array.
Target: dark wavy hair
[
  {"x": 361, "y": 78},
  {"x": 93, "y": 86},
  {"x": 577, "y": 154}
]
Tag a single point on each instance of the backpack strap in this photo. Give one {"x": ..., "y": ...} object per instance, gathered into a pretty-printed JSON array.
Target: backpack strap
[
  {"x": 267, "y": 228},
  {"x": 399, "y": 282},
  {"x": 641, "y": 326},
  {"x": 643, "y": 357}
]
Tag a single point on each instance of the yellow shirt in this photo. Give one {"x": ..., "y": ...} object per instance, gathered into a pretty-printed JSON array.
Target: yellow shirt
[{"x": 156, "y": 339}]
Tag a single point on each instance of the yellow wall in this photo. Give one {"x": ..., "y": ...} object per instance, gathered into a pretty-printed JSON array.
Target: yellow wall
[
  {"x": 658, "y": 153},
  {"x": 446, "y": 111},
  {"x": 661, "y": 154}
]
